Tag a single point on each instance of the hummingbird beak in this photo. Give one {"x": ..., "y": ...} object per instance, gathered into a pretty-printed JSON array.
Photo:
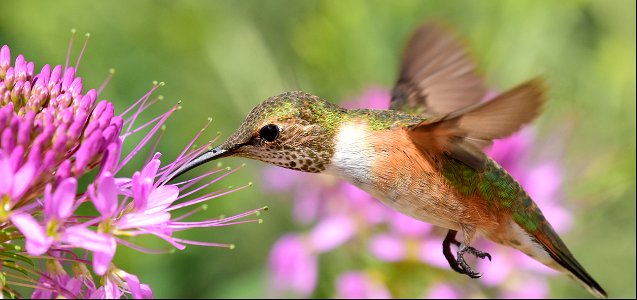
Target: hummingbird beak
[{"x": 205, "y": 157}]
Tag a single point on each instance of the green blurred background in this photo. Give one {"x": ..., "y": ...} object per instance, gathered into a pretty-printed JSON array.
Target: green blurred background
[{"x": 223, "y": 57}]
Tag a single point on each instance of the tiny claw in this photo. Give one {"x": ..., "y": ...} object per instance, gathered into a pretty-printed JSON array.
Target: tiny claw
[
  {"x": 463, "y": 264},
  {"x": 466, "y": 269},
  {"x": 459, "y": 264},
  {"x": 478, "y": 253}
]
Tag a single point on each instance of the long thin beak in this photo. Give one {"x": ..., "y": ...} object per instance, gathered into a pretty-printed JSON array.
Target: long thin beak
[{"x": 205, "y": 157}]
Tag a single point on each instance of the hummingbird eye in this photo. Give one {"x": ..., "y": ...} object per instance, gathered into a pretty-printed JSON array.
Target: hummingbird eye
[{"x": 269, "y": 132}]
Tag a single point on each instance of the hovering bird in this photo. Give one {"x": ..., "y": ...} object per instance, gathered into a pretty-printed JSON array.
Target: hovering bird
[{"x": 423, "y": 157}]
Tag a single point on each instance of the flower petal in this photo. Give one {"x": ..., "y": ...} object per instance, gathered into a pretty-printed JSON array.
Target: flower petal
[
  {"x": 106, "y": 199},
  {"x": 138, "y": 220},
  {"x": 279, "y": 179},
  {"x": 499, "y": 270},
  {"x": 5, "y": 57},
  {"x": 443, "y": 291},
  {"x": 113, "y": 153},
  {"x": 6, "y": 174},
  {"x": 332, "y": 233},
  {"x": 357, "y": 285},
  {"x": 64, "y": 198},
  {"x": 141, "y": 189},
  {"x": 82, "y": 237},
  {"x": 293, "y": 267},
  {"x": 101, "y": 261},
  {"x": 22, "y": 180},
  {"x": 150, "y": 170},
  {"x": 162, "y": 197},
  {"x": 430, "y": 253},
  {"x": 388, "y": 248},
  {"x": 37, "y": 242},
  {"x": 137, "y": 290},
  {"x": 408, "y": 226},
  {"x": 543, "y": 182},
  {"x": 111, "y": 290}
]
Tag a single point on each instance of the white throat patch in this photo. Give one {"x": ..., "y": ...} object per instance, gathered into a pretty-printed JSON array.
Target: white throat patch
[{"x": 353, "y": 154}]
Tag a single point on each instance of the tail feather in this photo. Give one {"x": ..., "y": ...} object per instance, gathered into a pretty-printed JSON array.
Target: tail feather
[
  {"x": 564, "y": 257},
  {"x": 557, "y": 250}
]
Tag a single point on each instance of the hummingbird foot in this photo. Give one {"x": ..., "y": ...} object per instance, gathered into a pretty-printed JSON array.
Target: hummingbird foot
[
  {"x": 478, "y": 253},
  {"x": 446, "y": 250},
  {"x": 461, "y": 263}
]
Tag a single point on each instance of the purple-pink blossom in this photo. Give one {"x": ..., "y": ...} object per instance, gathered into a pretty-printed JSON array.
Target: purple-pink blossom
[
  {"x": 294, "y": 267},
  {"x": 358, "y": 285},
  {"x": 52, "y": 133},
  {"x": 443, "y": 291}
]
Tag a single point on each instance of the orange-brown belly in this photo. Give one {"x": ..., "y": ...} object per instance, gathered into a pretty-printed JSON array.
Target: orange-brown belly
[
  {"x": 407, "y": 181},
  {"x": 389, "y": 167}
]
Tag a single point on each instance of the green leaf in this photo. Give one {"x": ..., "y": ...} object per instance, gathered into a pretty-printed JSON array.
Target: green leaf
[
  {"x": 13, "y": 266},
  {"x": 18, "y": 257},
  {"x": 10, "y": 293}
]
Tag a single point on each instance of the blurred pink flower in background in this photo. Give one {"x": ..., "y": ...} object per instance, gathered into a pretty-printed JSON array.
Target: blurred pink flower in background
[
  {"x": 294, "y": 266},
  {"x": 378, "y": 239},
  {"x": 358, "y": 285},
  {"x": 442, "y": 291}
]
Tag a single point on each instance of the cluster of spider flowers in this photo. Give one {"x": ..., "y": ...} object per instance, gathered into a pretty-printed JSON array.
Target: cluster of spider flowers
[
  {"x": 52, "y": 134},
  {"x": 352, "y": 246}
]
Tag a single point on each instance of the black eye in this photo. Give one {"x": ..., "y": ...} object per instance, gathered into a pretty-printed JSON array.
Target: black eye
[{"x": 269, "y": 132}]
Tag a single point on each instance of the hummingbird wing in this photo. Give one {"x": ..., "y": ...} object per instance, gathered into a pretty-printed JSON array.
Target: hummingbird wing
[
  {"x": 437, "y": 75},
  {"x": 462, "y": 133}
]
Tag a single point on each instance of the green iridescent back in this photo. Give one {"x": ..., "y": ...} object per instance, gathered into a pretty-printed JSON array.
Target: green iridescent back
[{"x": 498, "y": 188}]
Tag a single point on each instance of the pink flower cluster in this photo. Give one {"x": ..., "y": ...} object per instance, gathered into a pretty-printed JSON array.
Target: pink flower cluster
[
  {"x": 51, "y": 135},
  {"x": 370, "y": 246},
  {"x": 49, "y": 129}
]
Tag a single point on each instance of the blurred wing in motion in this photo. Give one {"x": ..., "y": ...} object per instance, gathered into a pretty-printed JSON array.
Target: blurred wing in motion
[
  {"x": 437, "y": 75},
  {"x": 462, "y": 133}
]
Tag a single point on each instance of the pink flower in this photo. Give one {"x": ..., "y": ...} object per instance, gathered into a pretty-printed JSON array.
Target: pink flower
[
  {"x": 331, "y": 233},
  {"x": 388, "y": 248},
  {"x": 15, "y": 179},
  {"x": 293, "y": 267},
  {"x": 357, "y": 285},
  {"x": 371, "y": 98},
  {"x": 47, "y": 123},
  {"x": 430, "y": 252},
  {"x": 137, "y": 289},
  {"x": 57, "y": 208},
  {"x": 52, "y": 133},
  {"x": 443, "y": 291},
  {"x": 407, "y": 226},
  {"x": 37, "y": 241}
]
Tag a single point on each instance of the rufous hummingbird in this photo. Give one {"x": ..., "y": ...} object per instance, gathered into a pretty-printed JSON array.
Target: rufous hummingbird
[{"x": 423, "y": 157}]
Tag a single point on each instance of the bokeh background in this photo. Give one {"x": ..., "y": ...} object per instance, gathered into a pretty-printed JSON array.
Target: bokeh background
[{"x": 220, "y": 58}]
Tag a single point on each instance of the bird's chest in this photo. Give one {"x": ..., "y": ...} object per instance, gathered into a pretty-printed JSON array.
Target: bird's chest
[
  {"x": 389, "y": 167},
  {"x": 354, "y": 155}
]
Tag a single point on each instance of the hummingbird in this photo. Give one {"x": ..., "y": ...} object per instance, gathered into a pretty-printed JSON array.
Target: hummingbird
[{"x": 424, "y": 156}]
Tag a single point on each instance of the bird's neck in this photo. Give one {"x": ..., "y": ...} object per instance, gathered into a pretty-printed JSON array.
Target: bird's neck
[{"x": 354, "y": 152}]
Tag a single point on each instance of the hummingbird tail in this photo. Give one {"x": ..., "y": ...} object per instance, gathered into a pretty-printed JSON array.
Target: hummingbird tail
[
  {"x": 577, "y": 272},
  {"x": 562, "y": 260}
]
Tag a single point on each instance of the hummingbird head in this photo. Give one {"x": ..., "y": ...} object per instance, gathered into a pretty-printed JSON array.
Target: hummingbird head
[{"x": 294, "y": 130}]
